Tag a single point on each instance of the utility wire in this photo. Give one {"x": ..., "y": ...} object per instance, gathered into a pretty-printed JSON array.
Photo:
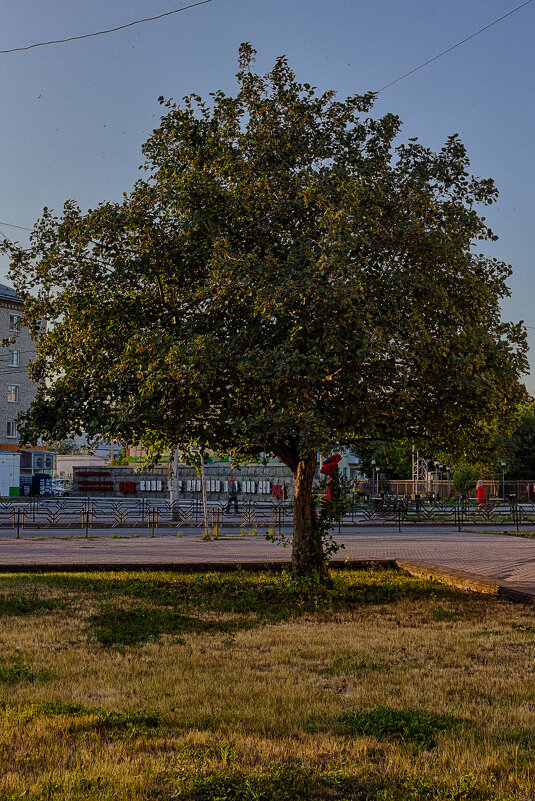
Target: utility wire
[
  {"x": 449, "y": 49},
  {"x": 10, "y": 225},
  {"x": 108, "y": 30}
]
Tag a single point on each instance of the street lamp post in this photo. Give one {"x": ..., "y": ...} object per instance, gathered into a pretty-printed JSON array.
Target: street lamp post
[
  {"x": 373, "y": 474},
  {"x": 377, "y": 479},
  {"x": 502, "y": 465}
]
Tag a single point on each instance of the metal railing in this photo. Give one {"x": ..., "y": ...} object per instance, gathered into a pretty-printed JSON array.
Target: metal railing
[{"x": 153, "y": 515}]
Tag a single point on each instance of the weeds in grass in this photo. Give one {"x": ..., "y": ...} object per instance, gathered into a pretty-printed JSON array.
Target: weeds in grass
[
  {"x": 103, "y": 721},
  {"x": 523, "y": 627},
  {"x": 444, "y": 614},
  {"x": 406, "y": 725},
  {"x": 19, "y": 672}
]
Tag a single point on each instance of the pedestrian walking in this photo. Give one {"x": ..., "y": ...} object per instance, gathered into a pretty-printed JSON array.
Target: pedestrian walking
[
  {"x": 232, "y": 495},
  {"x": 481, "y": 494}
]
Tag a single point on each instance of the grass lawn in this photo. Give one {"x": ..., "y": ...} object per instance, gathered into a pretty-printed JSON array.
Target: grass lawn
[{"x": 247, "y": 686}]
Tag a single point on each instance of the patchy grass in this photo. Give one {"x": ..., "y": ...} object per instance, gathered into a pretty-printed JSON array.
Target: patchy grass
[
  {"x": 512, "y": 532},
  {"x": 160, "y": 686}
]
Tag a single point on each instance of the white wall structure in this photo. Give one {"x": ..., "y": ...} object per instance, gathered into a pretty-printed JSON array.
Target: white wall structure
[{"x": 9, "y": 473}]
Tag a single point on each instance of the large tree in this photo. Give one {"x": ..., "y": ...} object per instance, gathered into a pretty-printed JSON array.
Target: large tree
[{"x": 282, "y": 278}]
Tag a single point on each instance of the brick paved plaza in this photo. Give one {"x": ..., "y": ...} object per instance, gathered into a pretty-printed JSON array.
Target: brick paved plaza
[{"x": 492, "y": 560}]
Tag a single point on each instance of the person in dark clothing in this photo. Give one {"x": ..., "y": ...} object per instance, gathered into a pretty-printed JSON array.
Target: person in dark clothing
[{"x": 232, "y": 494}]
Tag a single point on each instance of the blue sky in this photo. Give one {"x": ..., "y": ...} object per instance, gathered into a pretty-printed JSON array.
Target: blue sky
[{"x": 74, "y": 116}]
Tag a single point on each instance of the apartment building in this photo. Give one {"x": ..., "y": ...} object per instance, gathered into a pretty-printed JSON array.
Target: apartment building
[{"x": 16, "y": 389}]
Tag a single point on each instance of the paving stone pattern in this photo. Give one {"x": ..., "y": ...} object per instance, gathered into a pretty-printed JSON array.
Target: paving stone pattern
[{"x": 490, "y": 559}]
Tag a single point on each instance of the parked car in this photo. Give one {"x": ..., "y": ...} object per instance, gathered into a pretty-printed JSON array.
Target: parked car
[{"x": 61, "y": 486}]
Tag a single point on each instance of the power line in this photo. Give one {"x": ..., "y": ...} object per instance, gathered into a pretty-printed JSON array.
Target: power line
[
  {"x": 10, "y": 225},
  {"x": 449, "y": 49},
  {"x": 108, "y": 30}
]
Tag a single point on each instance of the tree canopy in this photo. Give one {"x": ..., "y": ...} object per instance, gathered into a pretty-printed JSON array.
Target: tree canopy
[{"x": 283, "y": 277}]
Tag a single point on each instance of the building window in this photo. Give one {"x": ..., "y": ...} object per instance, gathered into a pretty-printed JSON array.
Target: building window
[
  {"x": 12, "y": 429},
  {"x": 14, "y": 358},
  {"x": 14, "y": 322},
  {"x": 12, "y": 393}
]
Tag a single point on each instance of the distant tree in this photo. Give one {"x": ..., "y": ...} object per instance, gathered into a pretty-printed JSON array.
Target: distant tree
[
  {"x": 283, "y": 279},
  {"x": 518, "y": 450},
  {"x": 465, "y": 479},
  {"x": 394, "y": 459},
  {"x": 121, "y": 458},
  {"x": 64, "y": 447}
]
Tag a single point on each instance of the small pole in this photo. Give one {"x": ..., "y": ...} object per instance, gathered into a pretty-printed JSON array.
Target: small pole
[
  {"x": 17, "y": 517},
  {"x": 86, "y": 511},
  {"x": 204, "y": 502}
]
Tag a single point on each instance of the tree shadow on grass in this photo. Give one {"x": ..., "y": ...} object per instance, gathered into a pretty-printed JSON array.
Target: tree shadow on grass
[
  {"x": 117, "y": 627},
  {"x": 269, "y": 596},
  {"x": 28, "y": 604}
]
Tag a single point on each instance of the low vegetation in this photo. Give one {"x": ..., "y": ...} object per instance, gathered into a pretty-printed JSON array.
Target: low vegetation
[{"x": 240, "y": 686}]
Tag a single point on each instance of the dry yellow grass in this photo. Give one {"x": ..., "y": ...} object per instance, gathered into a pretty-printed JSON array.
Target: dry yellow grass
[{"x": 263, "y": 700}]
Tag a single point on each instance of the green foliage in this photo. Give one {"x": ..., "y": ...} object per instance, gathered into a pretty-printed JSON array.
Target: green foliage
[
  {"x": 465, "y": 479},
  {"x": 394, "y": 459},
  {"x": 287, "y": 280},
  {"x": 287, "y": 782},
  {"x": 419, "y": 788},
  {"x": 408, "y": 725},
  {"x": 519, "y": 449},
  {"x": 121, "y": 458},
  {"x": 64, "y": 447}
]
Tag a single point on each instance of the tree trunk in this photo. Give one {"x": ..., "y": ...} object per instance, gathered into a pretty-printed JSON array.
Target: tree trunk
[{"x": 307, "y": 546}]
